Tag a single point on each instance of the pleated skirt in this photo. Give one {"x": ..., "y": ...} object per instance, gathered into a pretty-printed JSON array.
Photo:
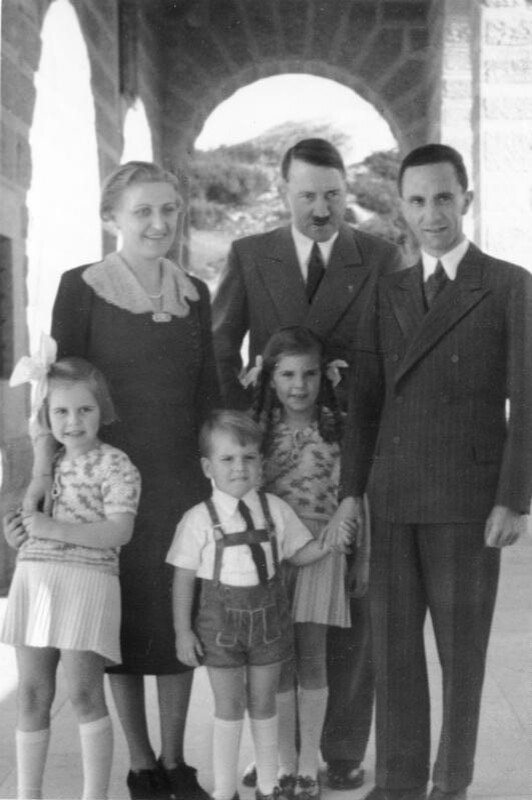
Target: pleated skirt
[
  {"x": 62, "y": 606},
  {"x": 319, "y": 589}
]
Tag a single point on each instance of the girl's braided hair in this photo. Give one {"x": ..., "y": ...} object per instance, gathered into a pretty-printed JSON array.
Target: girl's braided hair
[{"x": 294, "y": 340}]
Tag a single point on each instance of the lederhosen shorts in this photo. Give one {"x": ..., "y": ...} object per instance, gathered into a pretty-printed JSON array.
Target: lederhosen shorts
[{"x": 241, "y": 625}]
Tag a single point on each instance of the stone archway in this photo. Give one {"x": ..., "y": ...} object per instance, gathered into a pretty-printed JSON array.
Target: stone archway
[
  {"x": 441, "y": 70},
  {"x": 381, "y": 50}
]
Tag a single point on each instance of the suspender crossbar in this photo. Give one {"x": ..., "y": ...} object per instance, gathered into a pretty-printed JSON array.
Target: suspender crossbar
[{"x": 222, "y": 540}]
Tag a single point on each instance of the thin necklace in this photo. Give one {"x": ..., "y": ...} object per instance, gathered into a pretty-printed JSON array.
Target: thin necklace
[{"x": 158, "y": 314}]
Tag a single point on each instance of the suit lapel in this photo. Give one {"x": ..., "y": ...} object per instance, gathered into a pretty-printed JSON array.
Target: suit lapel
[
  {"x": 407, "y": 301},
  {"x": 451, "y": 305},
  {"x": 279, "y": 270},
  {"x": 343, "y": 279}
]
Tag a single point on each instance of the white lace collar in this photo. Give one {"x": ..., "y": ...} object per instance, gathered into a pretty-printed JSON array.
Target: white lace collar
[{"x": 113, "y": 281}]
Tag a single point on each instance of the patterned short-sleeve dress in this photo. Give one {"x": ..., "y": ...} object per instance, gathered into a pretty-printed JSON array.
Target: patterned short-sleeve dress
[
  {"x": 64, "y": 595},
  {"x": 304, "y": 471}
]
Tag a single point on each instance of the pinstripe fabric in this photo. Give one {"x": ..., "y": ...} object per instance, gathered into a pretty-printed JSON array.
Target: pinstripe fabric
[
  {"x": 262, "y": 288},
  {"x": 434, "y": 386},
  {"x": 427, "y": 424},
  {"x": 447, "y": 569}
]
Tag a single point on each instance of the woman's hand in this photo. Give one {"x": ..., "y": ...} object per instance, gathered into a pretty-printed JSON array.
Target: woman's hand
[
  {"x": 38, "y": 495},
  {"x": 189, "y": 649},
  {"x": 15, "y": 533}
]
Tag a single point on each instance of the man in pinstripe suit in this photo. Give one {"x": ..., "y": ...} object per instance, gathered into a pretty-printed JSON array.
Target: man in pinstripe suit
[{"x": 448, "y": 472}]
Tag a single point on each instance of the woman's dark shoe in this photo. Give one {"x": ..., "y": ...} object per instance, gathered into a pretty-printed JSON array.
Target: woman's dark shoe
[
  {"x": 184, "y": 783},
  {"x": 343, "y": 775},
  {"x": 149, "y": 784}
]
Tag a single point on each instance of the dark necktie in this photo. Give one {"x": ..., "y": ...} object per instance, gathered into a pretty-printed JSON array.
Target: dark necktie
[
  {"x": 316, "y": 271},
  {"x": 257, "y": 553},
  {"x": 434, "y": 283}
]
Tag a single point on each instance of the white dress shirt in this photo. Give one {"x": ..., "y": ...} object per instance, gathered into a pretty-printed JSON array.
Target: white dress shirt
[
  {"x": 303, "y": 247},
  {"x": 193, "y": 546},
  {"x": 449, "y": 261}
]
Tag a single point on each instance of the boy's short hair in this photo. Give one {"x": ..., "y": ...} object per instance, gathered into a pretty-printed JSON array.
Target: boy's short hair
[
  {"x": 78, "y": 370},
  {"x": 236, "y": 423}
]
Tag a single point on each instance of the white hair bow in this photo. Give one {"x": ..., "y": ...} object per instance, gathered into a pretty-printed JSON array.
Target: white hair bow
[
  {"x": 251, "y": 377},
  {"x": 333, "y": 371},
  {"x": 34, "y": 369}
]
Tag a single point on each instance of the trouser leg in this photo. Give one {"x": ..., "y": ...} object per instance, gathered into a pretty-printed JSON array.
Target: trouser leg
[
  {"x": 351, "y": 687},
  {"x": 398, "y": 609},
  {"x": 461, "y": 583}
]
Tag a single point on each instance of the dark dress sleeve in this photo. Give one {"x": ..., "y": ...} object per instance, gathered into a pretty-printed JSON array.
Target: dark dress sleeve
[
  {"x": 208, "y": 396},
  {"x": 71, "y": 314}
]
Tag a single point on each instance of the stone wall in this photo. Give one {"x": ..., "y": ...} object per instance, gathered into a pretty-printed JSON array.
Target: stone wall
[
  {"x": 379, "y": 49},
  {"x": 503, "y": 135}
]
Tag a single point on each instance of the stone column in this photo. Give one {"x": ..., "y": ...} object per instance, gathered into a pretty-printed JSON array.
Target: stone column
[
  {"x": 503, "y": 134},
  {"x": 453, "y": 29}
]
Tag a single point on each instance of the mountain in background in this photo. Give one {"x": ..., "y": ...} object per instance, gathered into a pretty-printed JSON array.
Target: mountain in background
[{"x": 234, "y": 191}]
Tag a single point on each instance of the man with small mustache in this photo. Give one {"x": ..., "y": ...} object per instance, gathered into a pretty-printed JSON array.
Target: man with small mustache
[{"x": 319, "y": 272}]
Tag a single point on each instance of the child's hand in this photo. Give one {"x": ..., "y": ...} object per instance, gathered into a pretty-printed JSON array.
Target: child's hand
[
  {"x": 339, "y": 534},
  {"x": 38, "y": 524},
  {"x": 189, "y": 649},
  {"x": 14, "y": 531}
]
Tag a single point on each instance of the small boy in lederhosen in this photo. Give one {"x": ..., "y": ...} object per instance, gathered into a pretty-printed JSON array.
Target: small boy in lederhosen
[{"x": 242, "y": 631}]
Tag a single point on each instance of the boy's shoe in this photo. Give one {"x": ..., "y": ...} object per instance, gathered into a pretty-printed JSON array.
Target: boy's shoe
[
  {"x": 249, "y": 777},
  {"x": 343, "y": 775},
  {"x": 149, "y": 784},
  {"x": 287, "y": 785},
  {"x": 307, "y": 788},
  {"x": 183, "y": 782}
]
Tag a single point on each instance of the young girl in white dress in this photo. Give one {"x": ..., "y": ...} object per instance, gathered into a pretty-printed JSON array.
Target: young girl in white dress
[
  {"x": 64, "y": 600},
  {"x": 296, "y": 406}
]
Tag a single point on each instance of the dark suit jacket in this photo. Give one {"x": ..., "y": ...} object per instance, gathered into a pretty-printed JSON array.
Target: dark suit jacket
[
  {"x": 427, "y": 416},
  {"x": 262, "y": 289}
]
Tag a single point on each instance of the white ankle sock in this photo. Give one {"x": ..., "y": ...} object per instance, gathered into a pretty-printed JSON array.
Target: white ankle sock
[
  {"x": 264, "y": 733},
  {"x": 286, "y": 730},
  {"x": 97, "y": 757},
  {"x": 312, "y": 704},
  {"x": 225, "y": 749},
  {"x": 32, "y": 749}
]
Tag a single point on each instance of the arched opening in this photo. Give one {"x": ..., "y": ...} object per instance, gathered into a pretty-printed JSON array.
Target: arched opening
[
  {"x": 138, "y": 144},
  {"x": 63, "y": 229},
  {"x": 235, "y": 173}
]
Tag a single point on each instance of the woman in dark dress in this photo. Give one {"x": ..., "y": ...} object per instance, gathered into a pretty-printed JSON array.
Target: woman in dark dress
[{"x": 146, "y": 325}]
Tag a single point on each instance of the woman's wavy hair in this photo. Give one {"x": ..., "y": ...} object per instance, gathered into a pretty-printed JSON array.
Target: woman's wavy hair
[
  {"x": 127, "y": 175},
  {"x": 77, "y": 370},
  {"x": 294, "y": 340}
]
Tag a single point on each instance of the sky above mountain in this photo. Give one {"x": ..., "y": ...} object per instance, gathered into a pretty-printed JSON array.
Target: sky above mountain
[{"x": 297, "y": 98}]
